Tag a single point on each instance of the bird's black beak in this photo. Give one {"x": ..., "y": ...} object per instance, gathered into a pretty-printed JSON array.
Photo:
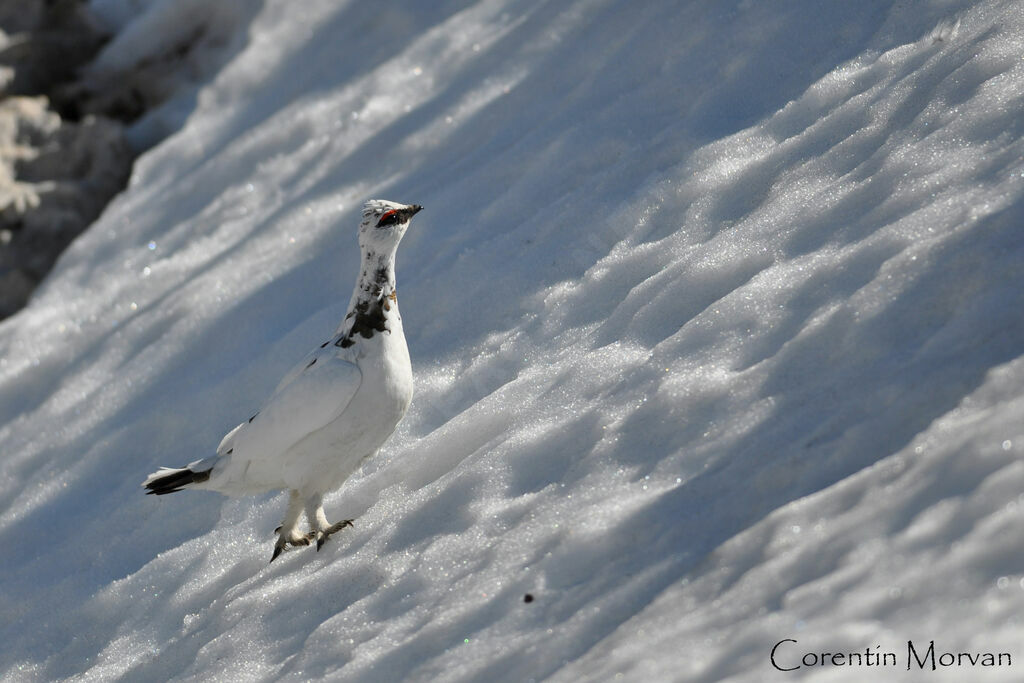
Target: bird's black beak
[{"x": 411, "y": 211}]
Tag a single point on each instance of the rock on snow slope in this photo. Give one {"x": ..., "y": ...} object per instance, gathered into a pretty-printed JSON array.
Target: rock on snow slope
[{"x": 715, "y": 316}]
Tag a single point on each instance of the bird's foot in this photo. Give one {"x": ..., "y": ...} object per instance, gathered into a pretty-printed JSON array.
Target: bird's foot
[
  {"x": 322, "y": 536},
  {"x": 292, "y": 540}
]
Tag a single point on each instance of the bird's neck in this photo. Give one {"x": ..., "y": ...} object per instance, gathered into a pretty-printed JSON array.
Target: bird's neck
[
  {"x": 373, "y": 299},
  {"x": 377, "y": 273}
]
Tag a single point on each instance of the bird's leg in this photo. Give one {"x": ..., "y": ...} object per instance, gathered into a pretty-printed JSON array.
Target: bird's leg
[
  {"x": 322, "y": 529},
  {"x": 288, "y": 532}
]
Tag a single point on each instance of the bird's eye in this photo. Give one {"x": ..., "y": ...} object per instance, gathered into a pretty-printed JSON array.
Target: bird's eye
[{"x": 388, "y": 218}]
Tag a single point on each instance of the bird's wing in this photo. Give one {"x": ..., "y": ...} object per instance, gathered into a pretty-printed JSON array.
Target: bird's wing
[
  {"x": 318, "y": 355},
  {"x": 310, "y": 401},
  {"x": 228, "y": 442}
]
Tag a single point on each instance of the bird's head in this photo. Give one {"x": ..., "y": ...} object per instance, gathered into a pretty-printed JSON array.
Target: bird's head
[{"x": 384, "y": 224}]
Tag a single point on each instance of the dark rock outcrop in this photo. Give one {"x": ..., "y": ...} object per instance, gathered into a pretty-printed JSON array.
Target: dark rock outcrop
[{"x": 57, "y": 171}]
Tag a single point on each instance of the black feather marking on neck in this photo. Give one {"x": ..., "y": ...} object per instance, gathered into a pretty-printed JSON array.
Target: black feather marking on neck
[
  {"x": 369, "y": 310},
  {"x": 369, "y": 318}
]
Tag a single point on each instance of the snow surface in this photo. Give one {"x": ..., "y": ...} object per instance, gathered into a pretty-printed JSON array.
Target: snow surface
[{"x": 715, "y": 318}]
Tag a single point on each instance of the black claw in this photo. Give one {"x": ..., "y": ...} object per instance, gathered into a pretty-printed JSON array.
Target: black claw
[
  {"x": 334, "y": 528},
  {"x": 320, "y": 542},
  {"x": 277, "y": 530},
  {"x": 277, "y": 551}
]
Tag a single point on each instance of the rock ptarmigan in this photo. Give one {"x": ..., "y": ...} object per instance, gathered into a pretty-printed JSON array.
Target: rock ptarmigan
[{"x": 332, "y": 411}]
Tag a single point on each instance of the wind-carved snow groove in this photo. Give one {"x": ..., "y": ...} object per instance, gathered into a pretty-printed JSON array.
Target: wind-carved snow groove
[{"x": 712, "y": 338}]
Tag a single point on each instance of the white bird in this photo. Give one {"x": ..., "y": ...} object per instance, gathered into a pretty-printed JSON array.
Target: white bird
[{"x": 332, "y": 411}]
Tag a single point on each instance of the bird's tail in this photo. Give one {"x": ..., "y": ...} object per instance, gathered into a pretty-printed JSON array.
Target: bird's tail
[{"x": 170, "y": 479}]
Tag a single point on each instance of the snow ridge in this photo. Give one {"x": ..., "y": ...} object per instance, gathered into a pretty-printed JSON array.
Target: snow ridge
[{"x": 712, "y": 322}]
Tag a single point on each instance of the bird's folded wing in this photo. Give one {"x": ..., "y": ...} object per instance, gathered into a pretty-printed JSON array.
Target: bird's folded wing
[
  {"x": 314, "y": 355},
  {"x": 227, "y": 444},
  {"x": 309, "y": 402}
]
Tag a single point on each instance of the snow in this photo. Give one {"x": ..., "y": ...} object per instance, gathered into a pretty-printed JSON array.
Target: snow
[{"x": 714, "y": 317}]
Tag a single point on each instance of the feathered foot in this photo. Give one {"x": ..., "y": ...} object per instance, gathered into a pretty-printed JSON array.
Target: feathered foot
[
  {"x": 293, "y": 541},
  {"x": 288, "y": 533},
  {"x": 322, "y": 529},
  {"x": 322, "y": 536}
]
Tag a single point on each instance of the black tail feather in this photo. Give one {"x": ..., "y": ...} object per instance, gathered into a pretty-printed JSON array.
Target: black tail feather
[{"x": 175, "y": 480}]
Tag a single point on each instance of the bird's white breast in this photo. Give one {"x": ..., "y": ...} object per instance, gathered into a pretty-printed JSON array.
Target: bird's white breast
[{"x": 323, "y": 460}]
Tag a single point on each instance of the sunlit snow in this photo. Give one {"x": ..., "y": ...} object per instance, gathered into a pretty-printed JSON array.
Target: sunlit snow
[{"x": 714, "y": 311}]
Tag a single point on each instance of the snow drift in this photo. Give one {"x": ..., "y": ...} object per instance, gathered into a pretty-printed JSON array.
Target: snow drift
[{"x": 714, "y": 318}]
